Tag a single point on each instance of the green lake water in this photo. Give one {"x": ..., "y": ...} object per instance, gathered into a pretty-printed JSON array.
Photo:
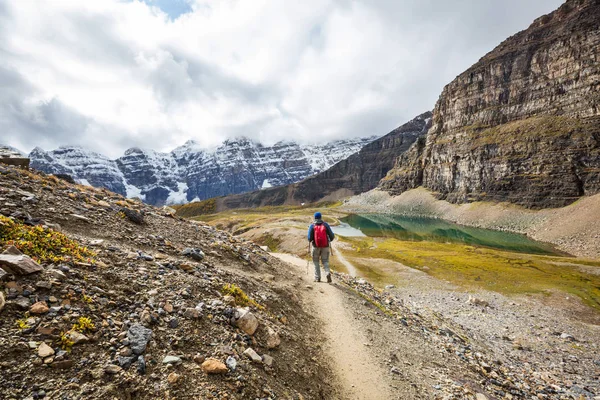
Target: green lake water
[{"x": 436, "y": 230}]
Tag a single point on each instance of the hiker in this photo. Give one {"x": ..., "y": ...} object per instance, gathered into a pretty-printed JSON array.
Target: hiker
[{"x": 320, "y": 236}]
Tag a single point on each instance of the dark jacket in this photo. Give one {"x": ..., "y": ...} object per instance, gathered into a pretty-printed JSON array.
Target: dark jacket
[{"x": 311, "y": 231}]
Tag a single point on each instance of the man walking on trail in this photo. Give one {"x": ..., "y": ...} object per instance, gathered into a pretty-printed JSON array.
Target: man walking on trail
[{"x": 320, "y": 236}]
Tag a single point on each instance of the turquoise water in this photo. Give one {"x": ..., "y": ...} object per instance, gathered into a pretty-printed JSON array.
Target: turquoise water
[{"x": 436, "y": 230}]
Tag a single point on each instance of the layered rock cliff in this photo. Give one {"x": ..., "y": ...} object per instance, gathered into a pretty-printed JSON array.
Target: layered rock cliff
[
  {"x": 522, "y": 124},
  {"x": 358, "y": 173}
]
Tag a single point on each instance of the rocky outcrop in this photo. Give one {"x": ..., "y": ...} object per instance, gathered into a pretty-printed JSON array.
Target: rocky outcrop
[
  {"x": 522, "y": 124},
  {"x": 193, "y": 173},
  {"x": 358, "y": 173}
]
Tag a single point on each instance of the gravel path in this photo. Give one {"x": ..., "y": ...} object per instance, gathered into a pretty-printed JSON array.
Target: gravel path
[{"x": 360, "y": 375}]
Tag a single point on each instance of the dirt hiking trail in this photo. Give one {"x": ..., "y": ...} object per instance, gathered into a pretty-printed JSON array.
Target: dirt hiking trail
[{"x": 360, "y": 375}]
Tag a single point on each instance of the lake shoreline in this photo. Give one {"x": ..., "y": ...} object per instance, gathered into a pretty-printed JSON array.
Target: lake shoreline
[{"x": 574, "y": 229}]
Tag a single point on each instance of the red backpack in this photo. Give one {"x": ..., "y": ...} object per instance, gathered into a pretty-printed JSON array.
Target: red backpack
[{"x": 320, "y": 234}]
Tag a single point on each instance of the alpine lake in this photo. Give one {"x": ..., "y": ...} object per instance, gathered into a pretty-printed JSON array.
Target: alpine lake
[{"x": 379, "y": 246}]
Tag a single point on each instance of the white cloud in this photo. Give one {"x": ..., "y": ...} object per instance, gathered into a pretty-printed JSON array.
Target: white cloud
[{"x": 112, "y": 74}]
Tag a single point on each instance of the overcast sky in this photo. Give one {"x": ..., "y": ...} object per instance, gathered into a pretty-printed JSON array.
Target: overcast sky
[{"x": 109, "y": 74}]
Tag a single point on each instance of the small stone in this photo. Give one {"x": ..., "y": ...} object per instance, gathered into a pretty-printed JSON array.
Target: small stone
[
  {"x": 112, "y": 369},
  {"x": 214, "y": 366},
  {"x": 141, "y": 365},
  {"x": 2, "y": 301},
  {"x": 145, "y": 318},
  {"x": 481, "y": 396},
  {"x": 138, "y": 336},
  {"x": 566, "y": 336},
  {"x": 171, "y": 360},
  {"x": 231, "y": 363},
  {"x": 172, "y": 378},
  {"x": 229, "y": 300},
  {"x": 45, "y": 351},
  {"x": 39, "y": 308},
  {"x": 168, "y": 307},
  {"x": 43, "y": 285},
  {"x": 273, "y": 339},
  {"x": 267, "y": 360},
  {"x": 174, "y": 323},
  {"x": 199, "y": 359},
  {"x": 64, "y": 364},
  {"x": 191, "y": 313},
  {"x": 77, "y": 337},
  {"x": 57, "y": 274},
  {"x": 253, "y": 355},
  {"x": 246, "y": 321}
]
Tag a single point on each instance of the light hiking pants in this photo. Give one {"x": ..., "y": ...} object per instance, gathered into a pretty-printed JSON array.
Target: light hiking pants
[{"x": 320, "y": 253}]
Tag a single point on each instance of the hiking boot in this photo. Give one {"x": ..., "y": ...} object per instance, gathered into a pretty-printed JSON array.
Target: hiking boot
[
  {"x": 317, "y": 279},
  {"x": 328, "y": 278}
]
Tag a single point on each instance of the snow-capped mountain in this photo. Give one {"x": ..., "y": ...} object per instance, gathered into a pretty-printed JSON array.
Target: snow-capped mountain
[{"x": 192, "y": 173}]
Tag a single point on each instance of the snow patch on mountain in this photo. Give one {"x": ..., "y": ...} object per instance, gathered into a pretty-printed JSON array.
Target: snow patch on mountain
[{"x": 191, "y": 172}]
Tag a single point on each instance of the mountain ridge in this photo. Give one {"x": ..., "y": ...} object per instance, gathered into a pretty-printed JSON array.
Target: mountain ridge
[{"x": 190, "y": 172}]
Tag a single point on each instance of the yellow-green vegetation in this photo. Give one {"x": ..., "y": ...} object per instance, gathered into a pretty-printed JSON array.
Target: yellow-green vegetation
[
  {"x": 83, "y": 325},
  {"x": 42, "y": 244},
  {"x": 197, "y": 208},
  {"x": 241, "y": 298},
  {"x": 475, "y": 267},
  {"x": 22, "y": 323},
  {"x": 535, "y": 128},
  {"x": 65, "y": 341},
  {"x": 268, "y": 240},
  {"x": 87, "y": 299}
]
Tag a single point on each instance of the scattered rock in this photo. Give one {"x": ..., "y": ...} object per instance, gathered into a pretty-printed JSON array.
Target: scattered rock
[
  {"x": 273, "y": 339},
  {"x": 481, "y": 396},
  {"x": 2, "y": 301},
  {"x": 45, "y": 351},
  {"x": 19, "y": 264},
  {"x": 113, "y": 369},
  {"x": 214, "y": 366},
  {"x": 566, "y": 336},
  {"x": 246, "y": 321},
  {"x": 231, "y": 363},
  {"x": 267, "y": 360},
  {"x": 134, "y": 216},
  {"x": 138, "y": 336},
  {"x": 171, "y": 360},
  {"x": 191, "y": 313},
  {"x": 39, "y": 308},
  {"x": 77, "y": 337},
  {"x": 172, "y": 378},
  {"x": 253, "y": 355}
]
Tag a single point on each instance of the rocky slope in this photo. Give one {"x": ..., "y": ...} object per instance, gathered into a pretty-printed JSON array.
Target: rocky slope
[
  {"x": 191, "y": 172},
  {"x": 522, "y": 124},
  {"x": 358, "y": 173},
  {"x": 150, "y": 314}
]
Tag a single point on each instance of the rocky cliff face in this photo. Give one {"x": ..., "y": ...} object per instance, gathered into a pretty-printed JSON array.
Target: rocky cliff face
[
  {"x": 190, "y": 172},
  {"x": 358, "y": 173},
  {"x": 521, "y": 125}
]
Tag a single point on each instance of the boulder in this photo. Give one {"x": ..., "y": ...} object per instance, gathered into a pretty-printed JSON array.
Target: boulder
[
  {"x": 213, "y": 366},
  {"x": 19, "y": 264}
]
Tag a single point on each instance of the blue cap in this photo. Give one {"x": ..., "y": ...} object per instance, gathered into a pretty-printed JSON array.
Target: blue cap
[{"x": 317, "y": 215}]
